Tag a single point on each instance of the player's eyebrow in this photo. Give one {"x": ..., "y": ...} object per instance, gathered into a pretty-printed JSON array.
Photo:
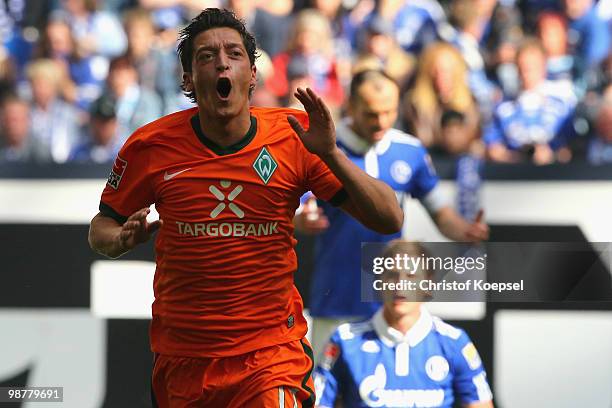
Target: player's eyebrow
[
  {"x": 215, "y": 47},
  {"x": 206, "y": 48},
  {"x": 232, "y": 45}
]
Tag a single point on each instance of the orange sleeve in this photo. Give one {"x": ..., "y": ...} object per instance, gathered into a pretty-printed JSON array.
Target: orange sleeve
[
  {"x": 318, "y": 177},
  {"x": 322, "y": 182},
  {"x": 129, "y": 186}
]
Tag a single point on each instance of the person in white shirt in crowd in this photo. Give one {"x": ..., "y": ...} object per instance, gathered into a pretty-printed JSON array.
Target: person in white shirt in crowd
[
  {"x": 55, "y": 123},
  {"x": 16, "y": 142},
  {"x": 136, "y": 105},
  {"x": 97, "y": 32}
]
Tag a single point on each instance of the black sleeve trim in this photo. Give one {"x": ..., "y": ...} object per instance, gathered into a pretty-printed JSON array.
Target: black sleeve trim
[
  {"x": 108, "y": 211},
  {"x": 339, "y": 198}
]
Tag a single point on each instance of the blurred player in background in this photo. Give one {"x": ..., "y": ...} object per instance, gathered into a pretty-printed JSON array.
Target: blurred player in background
[
  {"x": 538, "y": 123},
  {"x": 368, "y": 138},
  {"x": 227, "y": 328},
  {"x": 403, "y": 356}
]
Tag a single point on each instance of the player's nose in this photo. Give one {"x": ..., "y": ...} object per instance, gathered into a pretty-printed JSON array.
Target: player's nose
[{"x": 222, "y": 62}]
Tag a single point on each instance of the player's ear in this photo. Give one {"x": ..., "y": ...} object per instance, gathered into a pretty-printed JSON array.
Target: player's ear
[
  {"x": 253, "y": 76},
  {"x": 350, "y": 108},
  {"x": 187, "y": 82}
]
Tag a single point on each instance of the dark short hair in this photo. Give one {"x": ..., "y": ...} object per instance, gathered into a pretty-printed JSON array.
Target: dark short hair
[
  {"x": 297, "y": 67},
  {"x": 105, "y": 107},
  {"x": 206, "y": 20},
  {"x": 11, "y": 97},
  {"x": 452, "y": 117},
  {"x": 364, "y": 76},
  {"x": 121, "y": 62}
]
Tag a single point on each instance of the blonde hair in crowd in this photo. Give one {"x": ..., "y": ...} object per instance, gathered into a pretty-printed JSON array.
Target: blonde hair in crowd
[
  {"x": 310, "y": 19},
  {"x": 424, "y": 96},
  {"x": 47, "y": 69},
  {"x": 138, "y": 15}
]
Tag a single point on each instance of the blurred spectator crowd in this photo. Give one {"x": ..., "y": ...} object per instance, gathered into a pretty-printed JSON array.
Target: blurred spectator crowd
[{"x": 508, "y": 80}]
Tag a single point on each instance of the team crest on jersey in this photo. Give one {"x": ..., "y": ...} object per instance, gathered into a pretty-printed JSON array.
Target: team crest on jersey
[
  {"x": 437, "y": 368},
  {"x": 114, "y": 178},
  {"x": 401, "y": 171},
  {"x": 265, "y": 165}
]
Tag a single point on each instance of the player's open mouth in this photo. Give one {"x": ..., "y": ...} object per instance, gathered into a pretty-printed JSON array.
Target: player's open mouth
[{"x": 224, "y": 87}]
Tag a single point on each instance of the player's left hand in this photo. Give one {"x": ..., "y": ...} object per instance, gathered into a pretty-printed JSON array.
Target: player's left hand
[
  {"x": 478, "y": 230},
  {"x": 137, "y": 229},
  {"x": 320, "y": 138}
]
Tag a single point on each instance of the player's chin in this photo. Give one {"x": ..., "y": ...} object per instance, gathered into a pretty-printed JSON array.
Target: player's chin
[
  {"x": 224, "y": 109},
  {"x": 227, "y": 107},
  {"x": 395, "y": 303},
  {"x": 377, "y": 136},
  {"x": 404, "y": 306}
]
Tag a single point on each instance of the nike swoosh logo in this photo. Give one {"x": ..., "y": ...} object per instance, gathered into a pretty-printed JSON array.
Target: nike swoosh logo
[{"x": 168, "y": 176}]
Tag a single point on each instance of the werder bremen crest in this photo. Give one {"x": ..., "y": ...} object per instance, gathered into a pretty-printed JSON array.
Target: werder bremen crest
[{"x": 265, "y": 165}]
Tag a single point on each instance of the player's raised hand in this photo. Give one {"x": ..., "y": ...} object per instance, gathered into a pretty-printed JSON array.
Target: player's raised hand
[
  {"x": 478, "y": 231},
  {"x": 137, "y": 229},
  {"x": 320, "y": 138}
]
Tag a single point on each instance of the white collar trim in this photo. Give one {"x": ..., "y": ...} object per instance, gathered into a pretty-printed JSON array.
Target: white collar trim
[
  {"x": 350, "y": 139},
  {"x": 358, "y": 145},
  {"x": 391, "y": 337}
]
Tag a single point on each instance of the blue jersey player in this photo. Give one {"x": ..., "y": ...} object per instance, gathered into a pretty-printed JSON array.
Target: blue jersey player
[
  {"x": 398, "y": 159},
  {"x": 401, "y": 357}
]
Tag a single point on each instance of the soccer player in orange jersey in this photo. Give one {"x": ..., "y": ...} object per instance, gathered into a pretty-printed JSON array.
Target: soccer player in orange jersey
[{"x": 227, "y": 328}]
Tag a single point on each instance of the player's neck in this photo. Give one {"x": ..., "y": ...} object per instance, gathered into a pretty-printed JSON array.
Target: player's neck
[
  {"x": 357, "y": 132},
  {"x": 225, "y": 132},
  {"x": 402, "y": 322}
]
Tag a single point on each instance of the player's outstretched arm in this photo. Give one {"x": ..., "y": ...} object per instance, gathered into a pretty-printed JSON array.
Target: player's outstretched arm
[
  {"x": 370, "y": 201},
  {"x": 454, "y": 227},
  {"x": 109, "y": 238}
]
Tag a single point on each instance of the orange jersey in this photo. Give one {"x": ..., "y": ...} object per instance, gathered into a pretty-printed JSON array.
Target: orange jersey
[{"x": 225, "y": 253}]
